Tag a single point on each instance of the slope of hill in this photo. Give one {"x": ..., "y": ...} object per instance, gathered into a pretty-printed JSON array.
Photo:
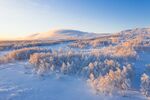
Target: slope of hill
[
  {"x": 133, "y": 33},
  {"x": 61, "y": 34}
]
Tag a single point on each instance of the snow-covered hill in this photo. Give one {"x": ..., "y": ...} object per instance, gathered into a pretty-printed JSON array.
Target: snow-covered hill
[
  {"x": 61, "y": 34},
  {"x": 75, "y": 34},
  {"x": 112, "y": 66},
  {"x": 133, "y": 33},
  {"x": 136, "y": 31}
]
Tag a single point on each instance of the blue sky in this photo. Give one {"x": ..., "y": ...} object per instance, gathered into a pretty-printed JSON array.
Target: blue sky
[{"x": 24, "y": 17}]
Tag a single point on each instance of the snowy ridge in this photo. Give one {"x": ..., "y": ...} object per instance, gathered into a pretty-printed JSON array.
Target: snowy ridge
[
  {"x": 61, "y": 34},
  {"x": 136, "y": 31},
  {"x": 132, "y": 33}
]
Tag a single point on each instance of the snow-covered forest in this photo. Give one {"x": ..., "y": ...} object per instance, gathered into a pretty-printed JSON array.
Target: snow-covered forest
[{"x": 113, "y": 66}]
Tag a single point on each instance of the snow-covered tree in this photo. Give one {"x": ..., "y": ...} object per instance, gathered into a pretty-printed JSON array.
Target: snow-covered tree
[
  {"x": 52, "y": 68},
  {"x": 91, "y": 67},
  {"x": 145, "y": 84},
  {"x": 64, "y": 68},
  {"x": 112, "y": 82}
]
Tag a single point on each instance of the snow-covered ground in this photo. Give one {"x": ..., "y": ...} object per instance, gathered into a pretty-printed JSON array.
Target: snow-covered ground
[
  {"x": 2, "y": 53},
  {"x": 140, "y": 67},
  {"x": 17, "y": 82},
  {"x": 57, "y": 46},
  {"x": 20, "y": 81}
]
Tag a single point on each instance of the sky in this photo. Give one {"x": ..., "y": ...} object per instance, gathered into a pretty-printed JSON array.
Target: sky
[{"x": 20, "y": 18}]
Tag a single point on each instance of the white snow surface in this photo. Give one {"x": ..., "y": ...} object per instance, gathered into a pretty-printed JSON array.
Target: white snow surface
[{"x": 17, "y": 82}]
